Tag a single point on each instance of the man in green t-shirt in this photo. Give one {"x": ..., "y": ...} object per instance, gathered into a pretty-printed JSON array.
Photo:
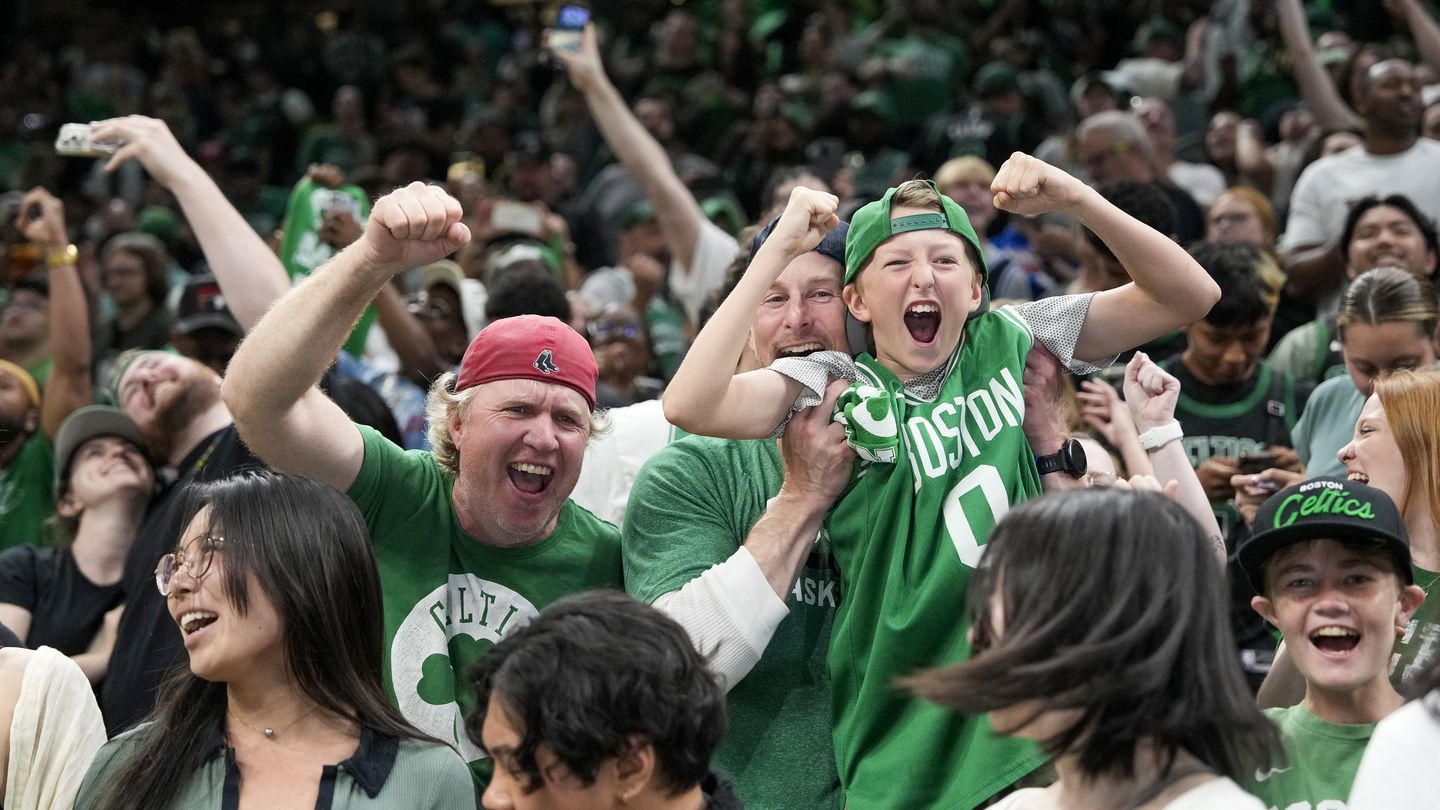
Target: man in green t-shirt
[
  {"x": 26, "y": 462},
  {"x": 474, "y": 538},
  {"x": 1330, "y": 560},
  {"x": 726, "y": 538}
]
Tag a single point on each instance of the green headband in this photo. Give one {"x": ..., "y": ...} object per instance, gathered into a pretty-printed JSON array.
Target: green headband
[{"x": 872, "y": 226}]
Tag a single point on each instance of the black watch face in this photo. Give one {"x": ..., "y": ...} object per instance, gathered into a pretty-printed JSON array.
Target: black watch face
[{"x": 1072, "y": 455}]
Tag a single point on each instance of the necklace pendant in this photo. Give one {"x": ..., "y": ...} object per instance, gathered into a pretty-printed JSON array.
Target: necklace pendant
[{"x": 269, "y": 733}]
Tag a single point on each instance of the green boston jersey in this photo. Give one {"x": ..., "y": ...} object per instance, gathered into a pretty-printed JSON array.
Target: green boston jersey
[
  {"x": 692, "y": 505},
  {"x": 1320, "y": 762},
  {"x": 27, "y": 497},
  {"x": 448, "y": 598},
  {"x": 301, "y": 250},
  {"x": 1416, "y": 648},
  {"x": 907, "y": 536}
]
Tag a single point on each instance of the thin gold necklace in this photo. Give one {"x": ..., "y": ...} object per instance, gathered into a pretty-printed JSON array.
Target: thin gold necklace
[{"x": 269, "y": 731}]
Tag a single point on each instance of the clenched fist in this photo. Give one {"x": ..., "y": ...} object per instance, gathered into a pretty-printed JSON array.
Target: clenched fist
[
  {"x": 414, "y": 226},
  {"x": 1028, "y": 186}
]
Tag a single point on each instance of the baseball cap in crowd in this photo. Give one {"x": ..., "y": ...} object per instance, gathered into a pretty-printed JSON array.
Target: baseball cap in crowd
[
  {"x": 469, "y": 292},
  {"x": 638, "y": 214},
  {"x": 832, "y": 244},
  {"x": 27, "y": 382},
  {"x": 90, "y": 422},
  {"x": 1324, "y": 509},
  {"x": 871, "y": 226},
  {"x": 530, "y": 347},
  {"x": 995, "y": 79},
  {"x": 202, "y": 306}
]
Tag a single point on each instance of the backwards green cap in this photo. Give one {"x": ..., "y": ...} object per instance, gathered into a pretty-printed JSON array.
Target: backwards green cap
[{"x": 871, "y": 226}]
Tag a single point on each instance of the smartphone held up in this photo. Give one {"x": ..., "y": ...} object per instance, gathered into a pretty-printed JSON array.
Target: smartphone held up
[
  {"x": 77, "y": 140},
  {"x": 569, "y": 22}
]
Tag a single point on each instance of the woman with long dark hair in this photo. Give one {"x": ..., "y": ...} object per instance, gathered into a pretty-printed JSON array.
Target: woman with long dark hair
[
  {"x": 1100, "y": 631},
  {"x": 277, "y": 596}
]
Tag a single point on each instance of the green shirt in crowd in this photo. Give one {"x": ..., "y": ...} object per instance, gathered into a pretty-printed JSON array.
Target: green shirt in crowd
[
  {"x": 449, "y": 598},
  {"x": 692, "y": 505},
  {"x": 383, "y": 773},
  {"x": 1320, "y": 762},
  {"x": 301, "y": 250},
  {"x": 27, "y": 497}
]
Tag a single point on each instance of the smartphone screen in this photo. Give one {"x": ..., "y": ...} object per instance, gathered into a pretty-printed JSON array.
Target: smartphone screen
[{"x": 568, "y": 24}]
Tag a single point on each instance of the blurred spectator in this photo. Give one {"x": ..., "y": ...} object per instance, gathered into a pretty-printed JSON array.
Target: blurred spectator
[
  {"x": 1393, "y": 159},
  {"x": 204, "y": 329},
  {"x": 133, "y": 272},
  {"x": 1113, "y": 146},
  {"x": 67, "y": 595},
  {"x": 1201, "y": 181}
]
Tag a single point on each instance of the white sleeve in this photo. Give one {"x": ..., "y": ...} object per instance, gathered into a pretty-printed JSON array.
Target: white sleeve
[
  {"x": 1394, "y": 772},
  {"x": 692, "y": 281},
  {"x": 730, "y": 612},
  {"x": 1305, "y": 224},
  {"x": 1056, "y": 322}
]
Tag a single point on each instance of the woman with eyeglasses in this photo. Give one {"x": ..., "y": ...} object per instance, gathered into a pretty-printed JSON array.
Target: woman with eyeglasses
[
  {"x": 621, "y": 344},
  {"x": 276, "y": 594},
  {"x": 1099, "y": 630}
]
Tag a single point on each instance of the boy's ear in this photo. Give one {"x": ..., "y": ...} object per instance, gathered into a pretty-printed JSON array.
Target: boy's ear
[
  {"x": 1265, "y": 608},
  {"x": 855, "y": 301},
  {"x": 1411, "y": 596}
]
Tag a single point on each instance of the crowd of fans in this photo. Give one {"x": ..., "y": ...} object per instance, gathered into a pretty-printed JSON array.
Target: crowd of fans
[{"x": 730, "y": 404}]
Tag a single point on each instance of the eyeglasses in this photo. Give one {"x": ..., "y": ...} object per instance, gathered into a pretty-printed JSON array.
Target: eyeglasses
[
  {"x": 610, "y": 330},
  {"x": 194, "y": 559}
]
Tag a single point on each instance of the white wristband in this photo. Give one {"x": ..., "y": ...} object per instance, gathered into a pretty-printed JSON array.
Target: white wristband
[{"x": 1157, "y": 437}]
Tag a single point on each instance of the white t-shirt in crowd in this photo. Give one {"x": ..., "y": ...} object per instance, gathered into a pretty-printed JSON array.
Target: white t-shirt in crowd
[
  {"x": 1398, "y": 769},
  {"x": 636, "y": 433},
  {"x": 1329, "y": 186},
  {"x": 1200, "y": 180},
  {"x": 691, "y": 284}
]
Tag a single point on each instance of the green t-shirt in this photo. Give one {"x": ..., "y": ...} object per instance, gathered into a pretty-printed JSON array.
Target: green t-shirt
[
  {"x": 1321, "y": 758},
  {"x": 449, "y": 598},
  {"x": 692, "y": 505},
  {"x": 27, "y": 497},
  {"x": 1415, "y": 650},
  {"x": 907, "y": 536},
  {"x": 1327, "y": 425},
  {"x": 301, "y": 250}
]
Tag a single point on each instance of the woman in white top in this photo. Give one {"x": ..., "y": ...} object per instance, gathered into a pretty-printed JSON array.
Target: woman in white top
[{"x": 1100, "y": 632}]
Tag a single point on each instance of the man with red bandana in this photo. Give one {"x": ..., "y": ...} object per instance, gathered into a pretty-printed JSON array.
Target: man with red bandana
[{"x": 476, "y": 536}]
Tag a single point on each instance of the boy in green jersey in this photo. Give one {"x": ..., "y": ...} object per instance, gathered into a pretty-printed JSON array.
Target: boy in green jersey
[
  {"x": 936, "y": 415},
  {"x": 1330, "y": 559}
]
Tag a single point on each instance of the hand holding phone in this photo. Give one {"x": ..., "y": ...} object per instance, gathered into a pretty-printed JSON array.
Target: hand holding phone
[
  {"x": 1256, "y": 463},
  {"x": 569, "y": 22},
  {"x": 77, "y": 140}
]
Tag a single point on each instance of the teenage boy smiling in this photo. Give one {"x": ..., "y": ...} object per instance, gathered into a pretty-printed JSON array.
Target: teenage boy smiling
[{"x": 1330, "y": 560}]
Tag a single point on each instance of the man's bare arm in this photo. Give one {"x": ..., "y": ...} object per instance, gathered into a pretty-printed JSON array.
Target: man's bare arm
[
  {"x": 270, "y": 386},
  {"x": 675, "y": 208},
  {"x": 248, "y": 272},
  {"x": 68, "y": 388}
]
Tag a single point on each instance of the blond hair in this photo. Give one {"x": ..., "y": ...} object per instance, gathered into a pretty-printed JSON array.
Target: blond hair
[
  {"x": 1411, "y": 399},
  {"x": 962, "y": 169},
  {"x": 444, "y": 402}
]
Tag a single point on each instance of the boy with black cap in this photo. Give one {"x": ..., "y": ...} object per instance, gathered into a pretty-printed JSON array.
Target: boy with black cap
[{"x": 1331, "y": 561}]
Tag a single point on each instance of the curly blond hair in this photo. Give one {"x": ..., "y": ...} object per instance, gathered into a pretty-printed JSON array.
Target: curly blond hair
[{"x": 443, "y": 401}]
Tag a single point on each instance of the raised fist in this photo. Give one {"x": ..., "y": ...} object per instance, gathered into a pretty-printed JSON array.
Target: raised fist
[
  {"x": 1028, "y": 186},
  {"x": 414, "y": 226}
]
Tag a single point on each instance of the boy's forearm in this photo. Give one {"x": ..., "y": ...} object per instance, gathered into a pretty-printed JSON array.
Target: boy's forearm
[{"x": 701, "y": 387}]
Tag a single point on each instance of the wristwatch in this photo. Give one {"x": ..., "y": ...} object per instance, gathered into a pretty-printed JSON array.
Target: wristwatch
[{"x": 1070, "y": 460}]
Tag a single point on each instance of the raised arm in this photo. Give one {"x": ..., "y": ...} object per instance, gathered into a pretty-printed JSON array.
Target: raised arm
[
  {"x": 675, "y": 208},
  {"x": 1167, "y": 289},
  {"x": 68, "y": 388},
  {"x": 706, "y": 396},
  {"x": 248, "y": 272},
  {"x": 270, "y": 385},
  {"x": 1316, "y": 87},
  {"x": 1151, "y": 395},
  {"x": 1422, "y": 27}
]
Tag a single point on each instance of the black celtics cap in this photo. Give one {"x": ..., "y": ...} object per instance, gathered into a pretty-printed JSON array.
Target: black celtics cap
[{"x": 1324, "y": 509}]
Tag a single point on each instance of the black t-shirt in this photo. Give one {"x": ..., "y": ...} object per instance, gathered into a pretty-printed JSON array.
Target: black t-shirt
[
  {"x": 147, "y": 643},
  {"x": 66, "y": 609}
]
